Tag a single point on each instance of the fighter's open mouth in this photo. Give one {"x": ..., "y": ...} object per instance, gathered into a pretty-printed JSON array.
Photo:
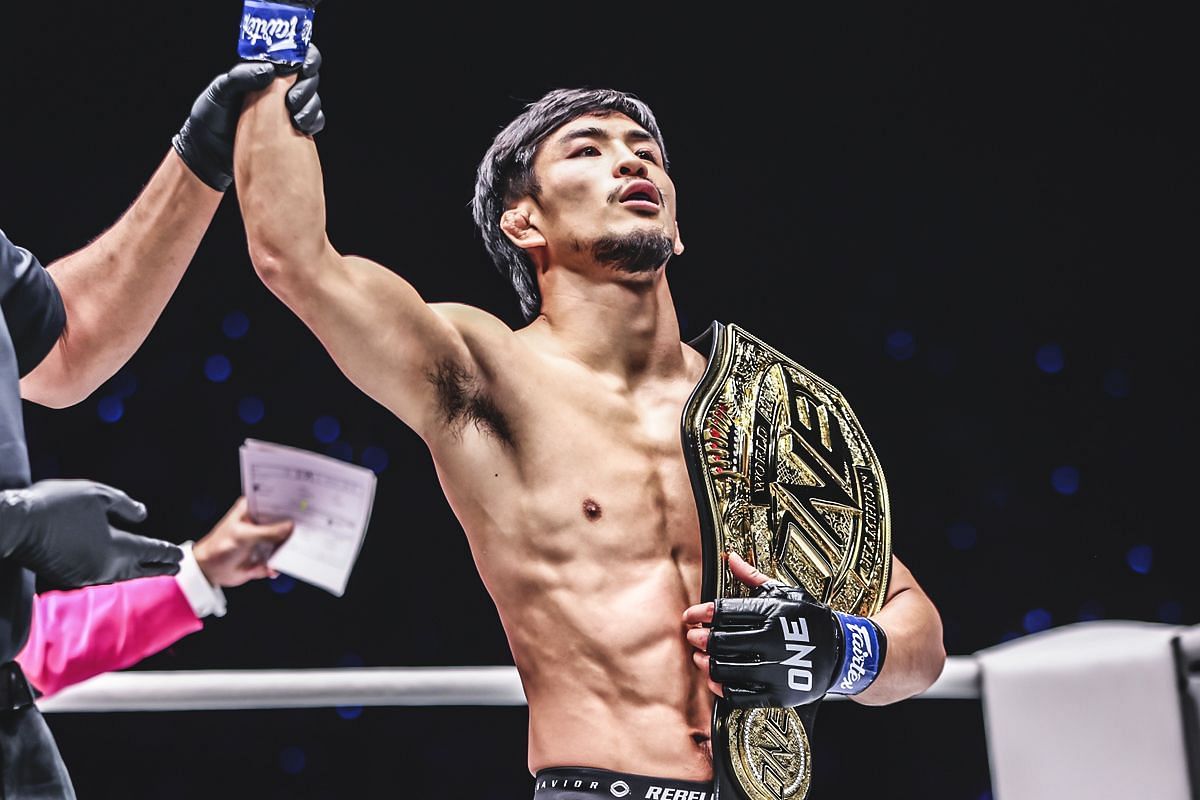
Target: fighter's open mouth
[{"x": 641, "y": 190}]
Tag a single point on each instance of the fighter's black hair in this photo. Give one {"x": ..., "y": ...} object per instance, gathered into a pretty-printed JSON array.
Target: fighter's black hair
[{"x": 506, "y": 172}]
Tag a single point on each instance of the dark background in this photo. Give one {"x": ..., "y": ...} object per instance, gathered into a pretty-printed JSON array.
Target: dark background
[{"x": 973, "y": 224}]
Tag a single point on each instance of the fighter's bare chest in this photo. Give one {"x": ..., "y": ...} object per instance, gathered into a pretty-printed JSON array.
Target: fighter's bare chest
[{"x": 615, "y": 460}]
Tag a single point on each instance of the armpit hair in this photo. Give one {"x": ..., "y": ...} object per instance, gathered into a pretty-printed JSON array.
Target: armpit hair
[{"x": 463, "y": 401}]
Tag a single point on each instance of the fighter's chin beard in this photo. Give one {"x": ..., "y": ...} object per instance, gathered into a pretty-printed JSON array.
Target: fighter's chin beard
[{"x": 639, "y": 251}]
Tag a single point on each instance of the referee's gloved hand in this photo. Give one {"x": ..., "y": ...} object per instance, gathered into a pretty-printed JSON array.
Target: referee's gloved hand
[
  {"x": 205, "y": 142},
  {"x": 303, "y": 102},
  {"x": 60, "y": 529}
]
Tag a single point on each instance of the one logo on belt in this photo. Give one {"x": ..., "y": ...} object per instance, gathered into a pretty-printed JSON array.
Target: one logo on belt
[{"x": 619, "y": 789}]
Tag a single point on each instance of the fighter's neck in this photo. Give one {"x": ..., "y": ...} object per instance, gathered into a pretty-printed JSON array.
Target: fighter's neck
[{"x": 626, "y": 328}]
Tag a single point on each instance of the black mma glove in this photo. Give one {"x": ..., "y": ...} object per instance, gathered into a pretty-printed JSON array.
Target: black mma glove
[
  {"x": 778, "y": 648},
  {"x": 205, "y": 142},
  {"x": 60, "y": 530}
]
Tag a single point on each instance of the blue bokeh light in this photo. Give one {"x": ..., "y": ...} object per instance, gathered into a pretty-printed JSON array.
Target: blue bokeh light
[
  {"x": 1065, "y": 480},
  {"x": 282, "y": 584},
  {"x": 110, "y": 408},
  {"x": 962, "y": 536},
  {"x": 326, "y": 429},
  {"x": 251, "y": 410},
  {"x": 291, "y": 760},
  {"x": 1116, "y": 383},
  {"x": 217, "y": 368},
  {"x": 1036, "y": 620},
  {"x": 1008, "y": 636},
  {"x": 901, "y": 345},
  {"x": 1050, "y": 359},
  {"x": 1140, "y": 559},
  {"x": 375, "y": 459},
  {"x": 349, "y": 712},
  {"x": 235, "y": 325}
]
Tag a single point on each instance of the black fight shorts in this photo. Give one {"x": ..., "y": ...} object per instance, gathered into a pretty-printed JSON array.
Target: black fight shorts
[{"x": 585, "y": 783}]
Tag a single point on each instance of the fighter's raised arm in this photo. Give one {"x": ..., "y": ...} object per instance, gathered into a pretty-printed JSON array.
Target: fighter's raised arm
[{"x": 374, "y": 324}]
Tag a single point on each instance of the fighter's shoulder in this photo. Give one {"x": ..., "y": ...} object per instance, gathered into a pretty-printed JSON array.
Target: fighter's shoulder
[
  {"x": 487, "y": 337},
  {"x": 473, "y": 323}
]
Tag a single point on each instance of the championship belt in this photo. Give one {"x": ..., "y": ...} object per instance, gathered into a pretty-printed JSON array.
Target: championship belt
[{"x": 783, "y": 475}]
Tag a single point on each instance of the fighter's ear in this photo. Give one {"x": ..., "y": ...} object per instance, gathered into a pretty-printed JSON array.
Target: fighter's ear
[
  {"x": 678, "y": 240},
  {"x": 520, "y": 230}
]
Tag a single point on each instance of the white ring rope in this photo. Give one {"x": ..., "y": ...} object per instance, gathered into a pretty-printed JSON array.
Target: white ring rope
[{"x": 211, "y": 690}]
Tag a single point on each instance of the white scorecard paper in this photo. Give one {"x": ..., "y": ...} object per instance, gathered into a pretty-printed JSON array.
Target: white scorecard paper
[{"x": 328, "y": 499}]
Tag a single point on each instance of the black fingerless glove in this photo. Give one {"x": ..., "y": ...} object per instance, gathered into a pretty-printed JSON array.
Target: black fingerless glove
[
  {"x": 778, "y": 648},
  {"x": 60, "y": 530}
]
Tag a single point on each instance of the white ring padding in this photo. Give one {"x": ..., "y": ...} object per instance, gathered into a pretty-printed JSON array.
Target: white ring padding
[{"x": 216, "y": 690}]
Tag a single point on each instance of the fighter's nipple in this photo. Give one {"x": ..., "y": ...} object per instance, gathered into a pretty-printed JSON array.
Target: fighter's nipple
[{"x": 591, "y": 510}]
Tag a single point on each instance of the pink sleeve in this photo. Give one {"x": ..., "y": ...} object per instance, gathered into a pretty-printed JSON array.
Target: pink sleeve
[{"x": 83, "y": 632}]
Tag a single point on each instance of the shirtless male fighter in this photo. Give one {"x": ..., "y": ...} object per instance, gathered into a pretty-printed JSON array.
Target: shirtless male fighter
[{"x": 558, "y": 444}]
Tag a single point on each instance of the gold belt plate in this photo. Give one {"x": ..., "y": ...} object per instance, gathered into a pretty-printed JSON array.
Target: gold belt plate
[{"x": 784, "y": 476}]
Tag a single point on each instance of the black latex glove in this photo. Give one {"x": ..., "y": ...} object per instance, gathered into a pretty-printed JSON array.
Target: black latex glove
[
  {"x": 778, "y": 648},
  {"x": 60, "y": 530},
  {"x": 303, "y": 102},
  {"x": 205, "y": 142}
]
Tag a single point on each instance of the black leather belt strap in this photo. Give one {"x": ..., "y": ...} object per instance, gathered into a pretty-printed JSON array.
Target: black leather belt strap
[{"x": 15, "y": 691}]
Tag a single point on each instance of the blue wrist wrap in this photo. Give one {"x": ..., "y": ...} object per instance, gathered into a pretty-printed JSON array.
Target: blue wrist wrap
[
  {"x": 863, "y": 651},
  {"x": 275, "y": 32}
]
